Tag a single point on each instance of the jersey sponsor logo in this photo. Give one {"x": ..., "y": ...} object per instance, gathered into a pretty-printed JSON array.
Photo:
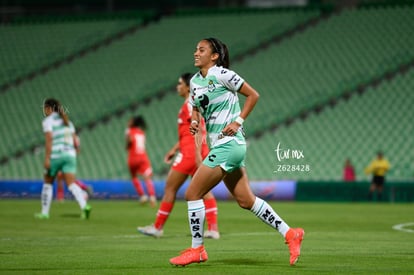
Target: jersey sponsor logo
[
  {"x": 211, "y": 157},
  {"x": 211, "y": 87},
  {"x": 203, "y": 101},
  {"x": 235, "y": 79}
]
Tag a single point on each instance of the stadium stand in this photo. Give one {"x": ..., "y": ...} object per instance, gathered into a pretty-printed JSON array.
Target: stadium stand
[
  {"x": 335, "y": 56},
  {"x": 130, "y": 70},
  {"x": 379, "y": 119},
  {"x": 299, "y": 74},
  {"x": 28, "y": 47}
]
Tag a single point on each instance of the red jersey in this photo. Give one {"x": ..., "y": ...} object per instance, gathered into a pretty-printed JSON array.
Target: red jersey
[
  {"x": 186, "y": 139},
  {"x": 137, "y": 142},
  {"x": 349, "y": 173}
]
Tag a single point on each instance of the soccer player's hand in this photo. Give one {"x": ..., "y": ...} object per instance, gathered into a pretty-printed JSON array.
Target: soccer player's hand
[
  {"x": 194, "y": 127},
  {"x": 169, "y": 156},
  {"x": 231, "y": 129}
]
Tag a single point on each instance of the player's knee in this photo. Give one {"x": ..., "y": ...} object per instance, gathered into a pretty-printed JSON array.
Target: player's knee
[
  {"x": 191, "y": 196},
  {"x": 245, "y": 204}
]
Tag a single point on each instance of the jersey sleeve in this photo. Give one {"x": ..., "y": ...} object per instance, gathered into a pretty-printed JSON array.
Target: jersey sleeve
[
  {"x": 230, "y": 79},
  {"x": 47, "y": 125}
]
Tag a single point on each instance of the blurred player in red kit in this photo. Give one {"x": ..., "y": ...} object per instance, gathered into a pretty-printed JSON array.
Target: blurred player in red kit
[{"x": 138, "y": 161}]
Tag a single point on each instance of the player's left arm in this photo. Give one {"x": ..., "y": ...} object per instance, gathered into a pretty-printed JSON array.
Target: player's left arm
[
  {"x": 370, "y": 168},
  {"x": 76, "y": 142},
  {"x": 252, "y": 96},
  {"x": 387, "y": 165}
]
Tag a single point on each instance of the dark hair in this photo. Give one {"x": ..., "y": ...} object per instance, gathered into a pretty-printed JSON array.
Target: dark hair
[
  {"x": 219, "y": 47},
  {"x": 139, "y": 121},
  {"x": 186, "y": 77},
  {"x": 57, "y": 107}
]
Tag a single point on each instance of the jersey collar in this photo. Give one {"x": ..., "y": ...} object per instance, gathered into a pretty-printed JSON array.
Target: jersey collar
[{"x": 208, "y": 71}]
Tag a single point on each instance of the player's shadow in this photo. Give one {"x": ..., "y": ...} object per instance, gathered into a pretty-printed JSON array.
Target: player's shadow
[
  {"x": 241, "y": 262},
  {"x": 70, "y": 215}
]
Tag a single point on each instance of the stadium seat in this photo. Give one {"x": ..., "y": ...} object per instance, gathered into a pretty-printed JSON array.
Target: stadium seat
[
  {"x": 128, "y": 70},
  {"x": 303, "y": 71},
  {"x": 354, "y": 129}
]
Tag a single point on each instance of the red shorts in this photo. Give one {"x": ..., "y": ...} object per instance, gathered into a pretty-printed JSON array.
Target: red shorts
[
  {"x": 185, "y": 162},
  {"x": 140, "y": 165}
]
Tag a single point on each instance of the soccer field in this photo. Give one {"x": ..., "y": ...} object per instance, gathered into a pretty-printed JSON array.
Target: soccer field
[{"x": 340, "y": 238}]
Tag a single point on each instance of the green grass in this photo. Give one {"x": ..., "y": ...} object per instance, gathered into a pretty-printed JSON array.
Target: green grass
[{"x": 340, "y": 238}]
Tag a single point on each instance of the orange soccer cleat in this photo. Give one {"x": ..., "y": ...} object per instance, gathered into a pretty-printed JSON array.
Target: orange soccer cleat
[
  {"x": 190, "y": 255},
  {"x": 294, "y": 239}
]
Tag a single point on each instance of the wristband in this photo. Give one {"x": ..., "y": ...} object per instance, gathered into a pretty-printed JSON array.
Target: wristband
[
  {"x": 239, "y": 120},
  {"x": 194, "y": 121}
]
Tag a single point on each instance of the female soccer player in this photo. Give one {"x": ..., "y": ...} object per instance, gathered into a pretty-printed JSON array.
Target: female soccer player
[
  {"x": 138, "y": 161},
  {"x": 190, "y": 155},
  {"x": 214, "y": 96},
  {"x": 86, "y": 189},
  {"x": 60, "y": 155}
]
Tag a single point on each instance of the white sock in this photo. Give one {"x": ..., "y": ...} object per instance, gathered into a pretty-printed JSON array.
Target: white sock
[
  {"x": 196, "y": 215},
  {"x": 78, "y": 194},
  {"x": 46, "y": 198},
  {"x": 266, "y": 213}
]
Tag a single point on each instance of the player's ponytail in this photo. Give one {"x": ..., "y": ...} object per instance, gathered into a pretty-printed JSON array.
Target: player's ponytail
[
  {"x": 225, "y": 58},
  {"x": 219, "y": 47},
  {"x": 58, "y": 108}
]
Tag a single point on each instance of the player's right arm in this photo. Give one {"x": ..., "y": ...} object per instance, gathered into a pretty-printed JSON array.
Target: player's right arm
[
  {"x": 48, "y": 149},
  {"x": 128, "y": 140},
  {"x": 47, "y": 130},
  {"x": 170, "y": 154},
  {"x": 195, "y": 120}
]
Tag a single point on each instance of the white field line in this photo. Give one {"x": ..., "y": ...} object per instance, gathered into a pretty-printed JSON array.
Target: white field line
[{"x": 401, "y": 227}]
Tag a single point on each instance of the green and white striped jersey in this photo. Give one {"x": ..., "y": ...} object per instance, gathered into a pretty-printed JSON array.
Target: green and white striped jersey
[
  {"x": 62, "y": 142},
  {"x": 216, "y": 98}
]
